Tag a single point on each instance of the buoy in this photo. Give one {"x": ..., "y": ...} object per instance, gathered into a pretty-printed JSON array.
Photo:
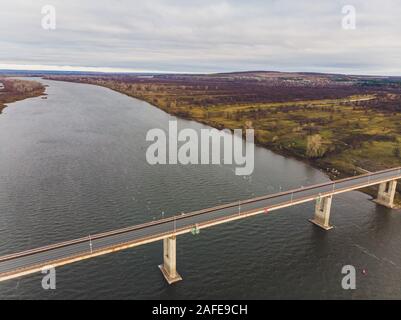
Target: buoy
[{"x": 364, "y": 272}]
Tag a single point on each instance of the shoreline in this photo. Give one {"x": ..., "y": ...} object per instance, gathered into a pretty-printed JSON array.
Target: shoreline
[
  {"x": 10, "y": 94},
  {"x": 371, "y": 191},
  {"x": 316, "y": 164}
]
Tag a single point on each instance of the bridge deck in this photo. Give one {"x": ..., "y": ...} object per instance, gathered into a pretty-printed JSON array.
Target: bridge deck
[{"x": 31, "y": 261}]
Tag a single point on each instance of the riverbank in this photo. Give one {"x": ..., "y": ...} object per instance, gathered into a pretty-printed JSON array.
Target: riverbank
[
  {"x": 12, "y": 90},
  {"x": 343, "y": 130}
]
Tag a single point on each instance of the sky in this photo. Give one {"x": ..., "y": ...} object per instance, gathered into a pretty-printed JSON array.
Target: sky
[{"x": 202, "y": 36}]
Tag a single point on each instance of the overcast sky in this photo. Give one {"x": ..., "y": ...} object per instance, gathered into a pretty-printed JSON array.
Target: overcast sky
[{"x": 203, "y": 36}]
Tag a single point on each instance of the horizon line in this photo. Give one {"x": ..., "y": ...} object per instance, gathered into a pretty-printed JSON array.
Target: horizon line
[{"x": 119, "y": 70}]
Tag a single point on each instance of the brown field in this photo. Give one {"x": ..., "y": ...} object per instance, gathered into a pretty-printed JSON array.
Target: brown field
[{"x": 12, "y": 90}]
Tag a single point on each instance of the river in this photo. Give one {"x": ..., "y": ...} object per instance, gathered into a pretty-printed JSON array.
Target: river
[{"x": 74, "y": 164}]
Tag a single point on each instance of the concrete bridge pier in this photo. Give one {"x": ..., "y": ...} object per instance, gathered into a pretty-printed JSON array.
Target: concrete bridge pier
[
  {"x": 168, "y": 268},
  {"x": 322, "y": 213},
  {"x": 385, "y": 196}
]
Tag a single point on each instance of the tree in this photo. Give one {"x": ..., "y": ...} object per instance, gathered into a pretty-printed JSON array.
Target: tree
[{"x": 315, "y": 147}]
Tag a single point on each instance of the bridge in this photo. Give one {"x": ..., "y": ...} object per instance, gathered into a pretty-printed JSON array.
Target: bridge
[{"x": 167, "y": 229}]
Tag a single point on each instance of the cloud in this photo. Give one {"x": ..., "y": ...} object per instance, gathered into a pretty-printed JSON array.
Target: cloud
[{"x": 204, "y": 35}]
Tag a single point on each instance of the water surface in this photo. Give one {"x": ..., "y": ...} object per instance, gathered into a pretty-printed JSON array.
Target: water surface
[{"x": 74, "y": 164}]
